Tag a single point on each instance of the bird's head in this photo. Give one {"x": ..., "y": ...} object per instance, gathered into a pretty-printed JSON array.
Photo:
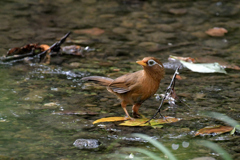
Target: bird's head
[{"x": 153, "y": 67}]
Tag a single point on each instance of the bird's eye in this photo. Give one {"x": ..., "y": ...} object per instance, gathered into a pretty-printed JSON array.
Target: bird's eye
[{"x": 151, "y": 62}]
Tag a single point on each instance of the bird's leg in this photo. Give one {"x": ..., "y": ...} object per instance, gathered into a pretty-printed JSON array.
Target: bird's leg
[
  {"x": 125, "y": 110},
  {"x": 135, "y": 110}
]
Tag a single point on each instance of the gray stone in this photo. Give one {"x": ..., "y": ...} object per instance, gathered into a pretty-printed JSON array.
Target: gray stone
[{"x": 86, "y": 143}]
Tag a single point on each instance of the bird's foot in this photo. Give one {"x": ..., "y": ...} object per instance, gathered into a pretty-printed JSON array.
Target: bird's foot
[
  {"x": 136, "y": 115},
  {"x": 129, "y": 118}
]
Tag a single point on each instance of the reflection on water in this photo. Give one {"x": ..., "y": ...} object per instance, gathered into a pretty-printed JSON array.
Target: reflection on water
[{"x": 124, "y": 31}]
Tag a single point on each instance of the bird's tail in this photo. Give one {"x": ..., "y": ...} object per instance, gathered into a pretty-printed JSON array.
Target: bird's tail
[{"x": 100, "y": 80}]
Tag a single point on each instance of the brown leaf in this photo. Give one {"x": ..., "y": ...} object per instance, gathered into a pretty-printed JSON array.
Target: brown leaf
[
  {"x": 178, "y": 77},
  {"x": 27, "y": 49},
  {"x": 91, "y": 31},
  {"x": 216, "y": 32},
  {"x": 186, "y": 59},
  {"x": 217, "y": 129}
]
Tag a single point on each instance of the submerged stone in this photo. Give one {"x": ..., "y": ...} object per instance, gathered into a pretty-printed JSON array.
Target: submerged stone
[{"x": 86, "y": 143}]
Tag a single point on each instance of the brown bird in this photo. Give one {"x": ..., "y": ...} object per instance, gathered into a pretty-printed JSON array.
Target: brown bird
[{"x": 134, "y": 88}]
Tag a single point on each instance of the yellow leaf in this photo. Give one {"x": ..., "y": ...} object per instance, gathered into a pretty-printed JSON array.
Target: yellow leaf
[
  {"x": 141, "y": 122},
  {"x": 110, "y": 119}
]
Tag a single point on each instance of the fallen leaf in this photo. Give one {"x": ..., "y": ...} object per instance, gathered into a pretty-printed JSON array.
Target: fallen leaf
[
  {"x": 178, "y": 77},
  {"x": 138, "y": 122},
  {"x": 91, "y": 31},
  {"x": 154, "y": 122},
  {"x": 27, "y": 49},
  {"x": 186, "y": 59},
  {"x": 110, "y": 119},
  {"x": 221, "y": 61},
  {"x": 204, "y": 67},
  {"x": 216, "y": 32},
  {"x": 210, "y": 130}
]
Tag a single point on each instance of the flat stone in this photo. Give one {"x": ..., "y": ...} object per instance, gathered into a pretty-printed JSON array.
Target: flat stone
[{"x": 86, "y": 143}]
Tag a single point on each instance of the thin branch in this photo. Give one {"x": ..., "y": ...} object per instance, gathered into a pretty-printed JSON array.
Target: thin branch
[
  {"x": 168, "y": 92},
  {"x": 55, "y": 48}
]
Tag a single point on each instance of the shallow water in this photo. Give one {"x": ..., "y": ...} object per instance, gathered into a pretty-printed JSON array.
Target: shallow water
[{"x": 45, "y": 108}]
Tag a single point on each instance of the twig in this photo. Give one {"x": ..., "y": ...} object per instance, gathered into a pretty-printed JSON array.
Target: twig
[
  {"x": 10, "y": 58},
  {"x": 168, "y": 92},
  {"x": 55, "y": 48}
]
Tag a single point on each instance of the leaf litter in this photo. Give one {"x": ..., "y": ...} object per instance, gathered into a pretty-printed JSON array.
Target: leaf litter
[{"x": 138, "y": 122}]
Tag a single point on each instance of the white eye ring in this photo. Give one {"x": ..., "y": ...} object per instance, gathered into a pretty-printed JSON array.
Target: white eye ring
[{"x": 151, "y": 62}]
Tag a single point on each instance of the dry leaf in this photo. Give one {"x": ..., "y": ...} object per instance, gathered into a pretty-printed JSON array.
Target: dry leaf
[
  {"x": 27, "y": 49},
  {"x": 217, "y": 129},
  {"x": 138, "y": 122},
  {"x": 186, "y": 59},
  {"x": 204, "y": 67},
  {"x": 216, "y": 32},
  {"x": 154, "y": 122},
  {"x": 110, "y": 119},
  {"x": 178, "y": 77}
]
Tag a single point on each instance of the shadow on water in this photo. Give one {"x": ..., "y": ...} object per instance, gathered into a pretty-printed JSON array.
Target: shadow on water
[{"x": 45, "y": 108}]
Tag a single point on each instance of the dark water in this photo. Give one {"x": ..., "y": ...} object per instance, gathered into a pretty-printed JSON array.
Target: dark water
[{"x": 32, "y": 95}]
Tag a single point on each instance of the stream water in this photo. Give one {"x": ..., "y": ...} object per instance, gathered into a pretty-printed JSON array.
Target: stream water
[{"x": 45, "y": 108}]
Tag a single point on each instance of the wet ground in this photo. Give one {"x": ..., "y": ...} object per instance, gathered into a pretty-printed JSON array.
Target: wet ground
[{"x": 45, "y": 108}]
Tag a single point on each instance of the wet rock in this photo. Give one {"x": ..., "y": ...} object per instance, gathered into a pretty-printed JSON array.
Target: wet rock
[
  {"x": 104, "y": 99},
  {"x": 217, "y": 43},
  {"x": 35, "y": 96},
  {"x": 107, "y": 16},
  {"x": 90, "y": 105},
  {"x": 90, "y": 31},
  {"x": 159, "y": 37},
  {"x": 89, "y": 1},
  {"x": 86, "y": 143},
  {"x": 180, "y": 11},
  {"x": 165, "y": 27},
  {"x": 199, "y": 34},
  {"x": 75, "y": 64},
  {"x": 121, "y": 52},
  {"x": 149, "y": 45},
  {"x": 222, "y": 9},
  {"x": 120, "y": 30},
  {"x": 127, "y": 24},
  {"x": 4, "y": 25}
]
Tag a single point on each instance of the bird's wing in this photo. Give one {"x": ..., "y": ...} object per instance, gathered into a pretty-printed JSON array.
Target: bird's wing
[{"x": 125, "y": 83}]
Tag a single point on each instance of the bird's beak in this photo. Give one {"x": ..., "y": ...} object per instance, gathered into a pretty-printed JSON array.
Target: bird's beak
[{"x": 141, "y": 63}]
